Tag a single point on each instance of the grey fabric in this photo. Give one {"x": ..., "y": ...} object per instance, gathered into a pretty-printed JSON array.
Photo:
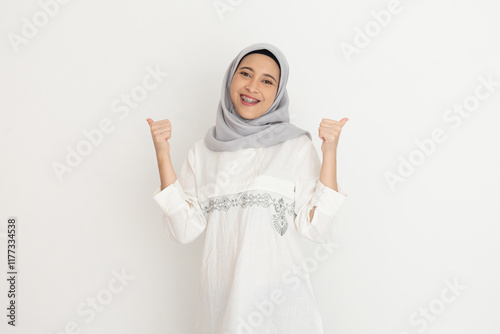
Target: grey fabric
[{"x": 232, "y": 132}]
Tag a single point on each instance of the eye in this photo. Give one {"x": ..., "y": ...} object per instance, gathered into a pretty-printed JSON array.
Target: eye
[
  {"x": 268, "y": 82},
  {"x": 244, "y": 73}
]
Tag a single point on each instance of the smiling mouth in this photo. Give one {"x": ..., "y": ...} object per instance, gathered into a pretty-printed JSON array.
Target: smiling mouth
[{"x": 248, "y": 101}]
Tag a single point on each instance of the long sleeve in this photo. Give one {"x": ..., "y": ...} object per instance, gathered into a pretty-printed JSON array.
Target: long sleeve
[
  {"x": 181, "y": 222},
  {"x": 310, "y": 192}
]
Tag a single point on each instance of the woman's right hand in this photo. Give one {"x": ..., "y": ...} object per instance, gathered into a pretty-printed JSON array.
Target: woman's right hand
[{"x": 161, "y": 131}]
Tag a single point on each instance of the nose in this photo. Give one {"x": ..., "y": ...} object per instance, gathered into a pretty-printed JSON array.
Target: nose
[{"x": 251, "y": 86}]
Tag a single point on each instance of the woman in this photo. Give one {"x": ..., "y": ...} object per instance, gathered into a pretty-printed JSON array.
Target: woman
[{"x": 254, "y": 184}]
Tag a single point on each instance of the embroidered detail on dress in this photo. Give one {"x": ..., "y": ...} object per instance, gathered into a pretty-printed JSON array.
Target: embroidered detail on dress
[{"x": 245, "y": 200}]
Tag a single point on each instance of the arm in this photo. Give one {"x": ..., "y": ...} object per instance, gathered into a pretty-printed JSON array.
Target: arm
[
  {"x": 167, "y": 172},
  {"x": 183, "y": 219},
  {"x": 329, "y": 131},
  {"x": 316, "y": 204},
  {"x": 328, "y": 174}
]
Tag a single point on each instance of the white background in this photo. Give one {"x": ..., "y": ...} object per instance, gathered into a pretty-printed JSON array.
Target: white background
[{"x": 397, "y": 246}]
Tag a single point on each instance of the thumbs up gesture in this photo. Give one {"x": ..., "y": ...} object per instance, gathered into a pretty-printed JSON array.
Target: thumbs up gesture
[
  {"x": 329, "y": 131},
  {"x": 161, "y": 132}
]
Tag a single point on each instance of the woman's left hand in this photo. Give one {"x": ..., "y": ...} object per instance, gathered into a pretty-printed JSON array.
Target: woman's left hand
[{"x": 329, "y": 131}]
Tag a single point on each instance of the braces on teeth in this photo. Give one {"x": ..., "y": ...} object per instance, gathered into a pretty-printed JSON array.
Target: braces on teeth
[{"x": 246, "y": 99}]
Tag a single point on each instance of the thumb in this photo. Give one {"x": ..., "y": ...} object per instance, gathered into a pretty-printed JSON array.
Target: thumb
[
  {"x": 149, "y": 120},
  {"x": 344, "y": 120}
]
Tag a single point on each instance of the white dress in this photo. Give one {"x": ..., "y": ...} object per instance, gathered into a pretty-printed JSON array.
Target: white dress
[{"x": 253, "y": 205}]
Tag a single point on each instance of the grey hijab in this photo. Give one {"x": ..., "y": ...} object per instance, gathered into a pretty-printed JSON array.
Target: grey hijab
[{"x": 232, "y": 132}]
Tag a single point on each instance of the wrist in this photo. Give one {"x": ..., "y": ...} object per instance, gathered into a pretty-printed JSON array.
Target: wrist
[
  {"x": 331, "y": 154},
  {"x": 163, "y": 156}
]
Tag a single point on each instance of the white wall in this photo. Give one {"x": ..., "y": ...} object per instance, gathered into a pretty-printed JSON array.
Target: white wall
[{"x": 397, "y": 245}]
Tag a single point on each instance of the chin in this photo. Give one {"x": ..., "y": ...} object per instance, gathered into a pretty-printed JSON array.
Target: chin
[{"x": 246, "y": 116}]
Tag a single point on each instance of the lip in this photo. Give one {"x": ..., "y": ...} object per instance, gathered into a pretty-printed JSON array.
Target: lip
[{"x": 246, "y": 103}]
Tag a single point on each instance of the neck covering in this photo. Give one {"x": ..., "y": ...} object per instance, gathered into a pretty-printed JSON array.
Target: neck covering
[{"x": 232, "y": 132}]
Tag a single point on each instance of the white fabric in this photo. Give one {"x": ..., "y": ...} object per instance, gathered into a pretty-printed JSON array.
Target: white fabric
[{"x": 253, "y": 205}]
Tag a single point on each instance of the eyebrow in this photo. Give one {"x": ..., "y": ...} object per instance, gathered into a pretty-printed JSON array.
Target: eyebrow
[{"x": 265, "y": 74}]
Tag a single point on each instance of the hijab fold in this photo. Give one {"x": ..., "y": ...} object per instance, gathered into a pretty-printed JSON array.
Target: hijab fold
[{"x": 232, "y": 132}]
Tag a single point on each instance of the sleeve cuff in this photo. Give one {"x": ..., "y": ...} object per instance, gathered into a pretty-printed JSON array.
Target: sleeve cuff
[
  {"x": 327, "y": 200},
  {"x": 171, "y": 198}
]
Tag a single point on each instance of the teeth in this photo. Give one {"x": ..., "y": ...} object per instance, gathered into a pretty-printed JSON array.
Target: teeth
[{"x": 249, "y": 100}]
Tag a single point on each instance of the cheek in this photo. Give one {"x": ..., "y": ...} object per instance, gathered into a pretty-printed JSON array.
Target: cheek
[
  {"x": 232, "y": 94},
  {"x": 235, "y": 83},
  {"x": 271, "y": 96}
]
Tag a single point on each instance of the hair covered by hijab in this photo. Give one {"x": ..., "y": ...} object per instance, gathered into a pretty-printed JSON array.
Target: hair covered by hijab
[
  {"x": 231, "y": 132},
  {"x": 262, "y": 52}
]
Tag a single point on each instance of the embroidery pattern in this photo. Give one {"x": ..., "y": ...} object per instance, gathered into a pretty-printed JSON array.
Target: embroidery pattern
[{"x": 245, "y": 200}]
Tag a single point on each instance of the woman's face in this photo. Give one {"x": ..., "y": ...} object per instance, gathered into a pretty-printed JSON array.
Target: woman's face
[{"x": 254, "y": 85}]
